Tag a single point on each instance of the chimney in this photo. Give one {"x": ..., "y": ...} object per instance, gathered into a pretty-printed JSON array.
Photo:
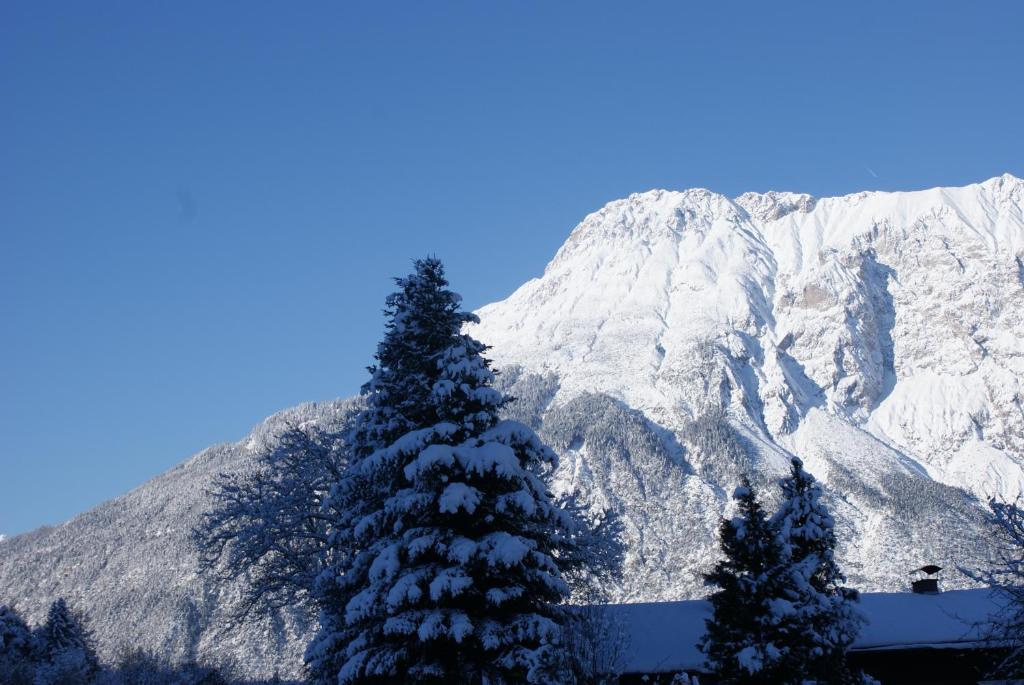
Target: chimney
[{"x": 927, "y": 581}]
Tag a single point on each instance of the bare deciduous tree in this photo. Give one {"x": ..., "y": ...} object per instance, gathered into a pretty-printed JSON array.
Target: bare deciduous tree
[
  {"x": 1004, "y": 573},
  {"x": 269, "y": 525}
]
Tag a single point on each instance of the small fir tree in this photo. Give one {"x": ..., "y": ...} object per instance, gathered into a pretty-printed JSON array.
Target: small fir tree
[
  {"x": 746, "y": 639},
  {"x": 64, "y": 647},
  {"x": 64, "y": 630},
  {"x": 824, "y": 610}
]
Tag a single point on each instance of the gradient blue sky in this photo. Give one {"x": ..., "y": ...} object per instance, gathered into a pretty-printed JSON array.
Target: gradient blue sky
[{"x": 201, "y": 203}]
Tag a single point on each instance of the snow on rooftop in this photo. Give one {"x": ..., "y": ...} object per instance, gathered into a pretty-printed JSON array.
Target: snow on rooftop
[
  {"x": 662, "y": 637},
  {"x": 906, "y": 619}
]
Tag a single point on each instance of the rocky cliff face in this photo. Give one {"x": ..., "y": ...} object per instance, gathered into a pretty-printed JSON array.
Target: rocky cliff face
[{"x": 677, "y": 341}]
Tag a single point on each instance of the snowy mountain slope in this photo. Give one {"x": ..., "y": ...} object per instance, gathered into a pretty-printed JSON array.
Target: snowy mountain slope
[
  {"x": 671, "y": 488},
  {"x": 131, "y": 566},
  {"x": 677, "y": 341}
]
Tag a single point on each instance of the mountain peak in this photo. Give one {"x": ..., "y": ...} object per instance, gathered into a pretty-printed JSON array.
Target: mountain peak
[
  {"x": 648, "y": 216},
  {"x": 775, "y": 205},
  {"x": 1006, "y": 185},
  {"x": 645, "y": 215}
]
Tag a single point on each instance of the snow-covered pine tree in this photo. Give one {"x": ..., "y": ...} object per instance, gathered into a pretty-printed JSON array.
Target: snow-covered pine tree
[
  {"x": 746, "y": 637},
  {"x": 64, "y": 647},
  {"x": 823, "y": 609},
  {"x": 460, "y": 550},
  {"x": 464, "y": 579},
  {"x": 423, "y": 318},
  {"x": 63, "y": 630}
]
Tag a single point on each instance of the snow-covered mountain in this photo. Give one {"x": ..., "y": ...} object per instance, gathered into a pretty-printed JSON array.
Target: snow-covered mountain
[
  {"x": 879, "y": 336},
  {"x": 899, "y": 314},
  {"x": 677, "y": 341}
]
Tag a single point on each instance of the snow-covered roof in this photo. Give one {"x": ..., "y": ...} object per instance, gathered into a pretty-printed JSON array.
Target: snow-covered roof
[
  {"x": 663, "y": 636},
  {"x": 906, "y": 619}
]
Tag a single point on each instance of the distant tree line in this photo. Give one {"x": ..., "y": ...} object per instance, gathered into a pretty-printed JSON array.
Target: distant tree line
[
  {"x": 56, "y": 652},
  {"x": 60, "y": 651}
]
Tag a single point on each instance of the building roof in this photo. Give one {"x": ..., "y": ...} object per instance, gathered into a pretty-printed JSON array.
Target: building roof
[{"x": 662, "y": 637}]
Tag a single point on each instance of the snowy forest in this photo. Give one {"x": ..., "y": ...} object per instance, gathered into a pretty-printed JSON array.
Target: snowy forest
[{"x": 424, "y": 538}]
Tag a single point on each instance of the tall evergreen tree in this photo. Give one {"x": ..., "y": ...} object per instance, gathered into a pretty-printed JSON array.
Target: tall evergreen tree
[
  {"x": 747, "y": 637},
  {"x": 423, "y": 318},
  {"x": 464, "y": 580},
  {"x": 64, "y": 647},
  {"x": 458, "y": 551},
  {"x": 824, "y": 609}
]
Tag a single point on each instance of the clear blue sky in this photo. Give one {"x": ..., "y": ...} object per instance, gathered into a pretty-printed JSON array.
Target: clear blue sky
[{"x": 201, "y": 204}]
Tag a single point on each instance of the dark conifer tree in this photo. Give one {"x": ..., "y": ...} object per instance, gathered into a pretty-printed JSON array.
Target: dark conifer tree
[
  {"x": 747, "y": 637},
  {"x": 823, "y": 609},
  {"x": 460, "y": 550},
  {"x": 15, "y": 636},
  {"x": 423, "y": 318},
  {"x": 63, "y": 630},
  {"x": 464, "y": 583},
  {"x": 16, "y": 662},
  {"x": 64, "y": 647}
]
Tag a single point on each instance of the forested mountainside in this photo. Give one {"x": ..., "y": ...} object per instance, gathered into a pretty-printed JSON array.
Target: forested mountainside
[{"x": 677, "y": 341}]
